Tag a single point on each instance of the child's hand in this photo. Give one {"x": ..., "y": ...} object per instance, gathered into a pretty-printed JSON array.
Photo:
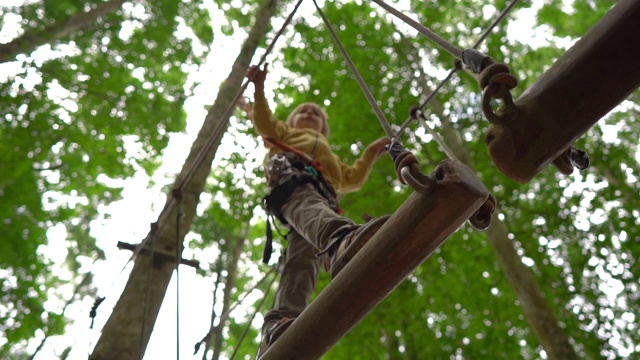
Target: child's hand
[
  {"x": 377, "y": 146},
  {"x": 257, "y": 75}
]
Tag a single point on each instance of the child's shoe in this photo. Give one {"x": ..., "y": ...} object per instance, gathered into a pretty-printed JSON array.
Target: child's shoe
[
  {"x": 271, "y": 332},
  {"x": 353, "y": 241}
]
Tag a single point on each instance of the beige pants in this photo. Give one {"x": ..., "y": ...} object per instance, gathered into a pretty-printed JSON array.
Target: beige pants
[{"x": 313, "y": 225}]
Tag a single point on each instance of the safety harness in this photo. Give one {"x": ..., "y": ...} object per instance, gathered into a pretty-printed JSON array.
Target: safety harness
[
  {"x": 309, "y": 172},
  {"x": 316, "y": 164}
]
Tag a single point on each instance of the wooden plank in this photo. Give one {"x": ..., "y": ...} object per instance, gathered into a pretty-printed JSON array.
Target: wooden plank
[
  {"x": 589, "y": 80},
  {"x": 408, "y": 238}
]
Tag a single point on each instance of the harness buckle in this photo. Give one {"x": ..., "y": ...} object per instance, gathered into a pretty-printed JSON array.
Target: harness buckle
[
  {"x": 277, "y": 166},
  {"x": 312, "y": 171}
]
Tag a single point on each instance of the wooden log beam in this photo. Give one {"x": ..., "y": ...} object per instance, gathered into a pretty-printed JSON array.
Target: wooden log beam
[
  {"x": 412, "y": 233},
  {"x": 587, "y": 82}
]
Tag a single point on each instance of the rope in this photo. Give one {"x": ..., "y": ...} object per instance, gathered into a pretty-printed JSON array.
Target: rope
[
  {"x": 450, "y": 154},
  {"x": 450, "y": 48},
  {"x": 431, "y": 95},
  {"x": 495, "y": 22},
  {"x": 427, "y": 100},
  {"x": 363, "y": 86},
  {"x": 426, "y": 32},
  {"x": 179, "y": 214}
]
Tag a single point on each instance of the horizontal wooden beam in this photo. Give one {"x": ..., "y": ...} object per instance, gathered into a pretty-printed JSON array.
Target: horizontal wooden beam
[
  {"x": 160, "y": 253},
  {"x": 588, "y": 81},
  {"x": 409, "y": 237}
]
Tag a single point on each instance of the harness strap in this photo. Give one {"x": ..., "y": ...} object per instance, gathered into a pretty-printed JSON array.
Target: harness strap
[
  {"x": 315, "y": 164},
  {"x": 276, "y": 199},
  {"x": 280, "y": 194},
  {"x": 268, "y": 246}
]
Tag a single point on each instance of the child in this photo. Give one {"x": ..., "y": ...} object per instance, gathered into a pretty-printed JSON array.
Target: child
[{"x": 305, "y": 202}]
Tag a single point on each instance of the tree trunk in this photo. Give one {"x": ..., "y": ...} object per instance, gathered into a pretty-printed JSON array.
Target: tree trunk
[
  {"x": 543, "y": 322},
  {"x": 127, "y": 332},
  {"x": 30, "y": 40},
  {"x": 230, "y": 284}
]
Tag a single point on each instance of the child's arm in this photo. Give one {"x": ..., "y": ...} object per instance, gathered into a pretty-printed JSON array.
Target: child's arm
[
  {"x": 257, "y": 76},
  {"x": 354, "y": 177},
  {"x": 263, "y": 120},
  {"x": 377, "y": 147}
]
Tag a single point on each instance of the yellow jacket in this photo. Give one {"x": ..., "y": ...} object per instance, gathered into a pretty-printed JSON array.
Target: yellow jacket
[{"x": 342, "y": 177}]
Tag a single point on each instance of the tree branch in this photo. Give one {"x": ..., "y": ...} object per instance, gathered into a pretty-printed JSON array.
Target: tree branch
[{"x": 30, "y": 40}]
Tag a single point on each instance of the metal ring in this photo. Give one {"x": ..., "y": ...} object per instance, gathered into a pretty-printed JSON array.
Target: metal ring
[
  {"x": 481, "y": 219},
  {"x": 424, "y": 186},
  {"x": 510, "y": 110}
]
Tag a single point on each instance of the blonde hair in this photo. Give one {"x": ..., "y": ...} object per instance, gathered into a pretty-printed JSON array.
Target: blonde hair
[{"x": 325, "y": 124}]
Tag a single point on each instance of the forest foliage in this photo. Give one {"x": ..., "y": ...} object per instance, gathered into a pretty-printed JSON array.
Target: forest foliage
[{"x": 69, "y": 119}]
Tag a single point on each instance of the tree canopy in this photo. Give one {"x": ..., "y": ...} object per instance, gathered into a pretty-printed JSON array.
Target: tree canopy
[{"x": 91, "y": 107}]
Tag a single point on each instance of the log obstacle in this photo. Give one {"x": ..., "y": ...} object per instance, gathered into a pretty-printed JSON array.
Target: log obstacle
[
  {"x": 582, "y": 86},
  {"x": 409, "y": 237}
]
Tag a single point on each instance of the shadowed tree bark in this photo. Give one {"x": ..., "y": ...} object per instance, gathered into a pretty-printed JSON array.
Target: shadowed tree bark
[
  {"x": 30, "y": 40},
  {"x": 127, "y": 332}
]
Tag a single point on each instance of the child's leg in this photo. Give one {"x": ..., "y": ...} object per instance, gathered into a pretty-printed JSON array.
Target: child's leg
[
  {"x": 297, "y": 282},
  {"x": 298, "y": 278},
  {"x": 309, "y": 214}
]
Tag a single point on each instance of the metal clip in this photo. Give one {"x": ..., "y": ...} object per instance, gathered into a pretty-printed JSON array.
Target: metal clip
[
  {"x": 481, "y": 219},
  {"x": 277, "y": 166}
]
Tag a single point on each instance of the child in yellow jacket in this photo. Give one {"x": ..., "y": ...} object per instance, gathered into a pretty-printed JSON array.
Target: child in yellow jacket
[{"x": 305, "y": 201}]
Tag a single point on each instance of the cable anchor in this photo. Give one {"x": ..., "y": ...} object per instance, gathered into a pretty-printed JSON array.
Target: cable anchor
[
  {"x": 496, "y": 82},
  {"x": 481, "y": 219},
  {"x": 408, "y": 170},
  {"x": 570, "y": 158}
]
